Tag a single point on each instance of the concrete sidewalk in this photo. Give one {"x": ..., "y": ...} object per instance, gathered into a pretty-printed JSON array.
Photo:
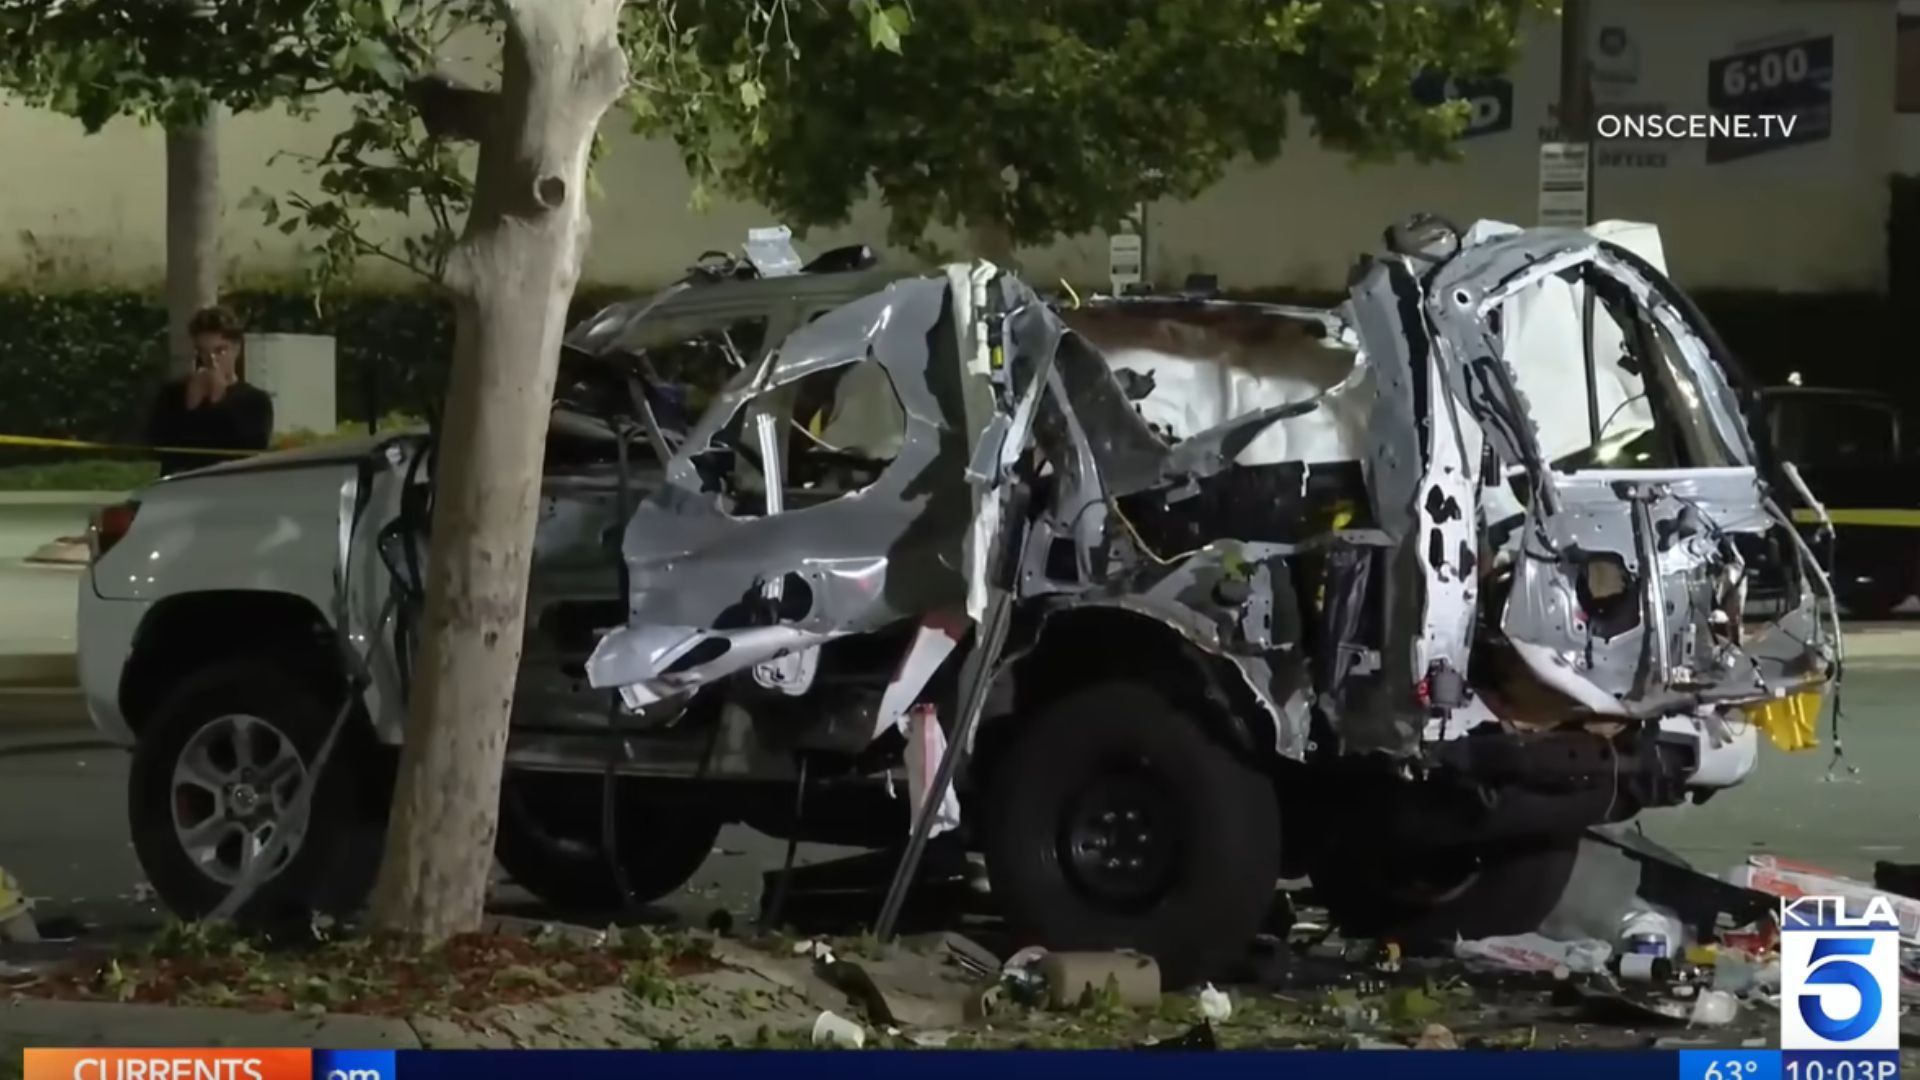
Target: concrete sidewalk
[{"x": 26, "y": 1022}]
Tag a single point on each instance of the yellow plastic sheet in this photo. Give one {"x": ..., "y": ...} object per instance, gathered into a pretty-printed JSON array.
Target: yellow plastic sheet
[{"x": 1790, "y": 723}]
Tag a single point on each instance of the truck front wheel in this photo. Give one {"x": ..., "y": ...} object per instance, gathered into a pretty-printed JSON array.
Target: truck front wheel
[
  {"x": 1118, "y": 821},
  {"x": 211, "y": 786}
]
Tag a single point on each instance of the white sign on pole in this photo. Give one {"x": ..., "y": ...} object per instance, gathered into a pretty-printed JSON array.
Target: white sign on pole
[
  {"x": 1565, "y": 172},
  {"x": 1123, "y": 261}
]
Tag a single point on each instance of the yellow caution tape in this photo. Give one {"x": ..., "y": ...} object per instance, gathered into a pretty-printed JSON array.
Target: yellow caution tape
[
  {"x": 1888, "y": 519},
  {"x": 1790, "y": 723},
  {"x": 77, "y": 444}
]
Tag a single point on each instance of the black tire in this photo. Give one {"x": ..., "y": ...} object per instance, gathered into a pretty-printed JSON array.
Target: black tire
[
  {"x": 1205, "y": 877},
  {"x": 1508, "y": 891},
  {"x": 332, "y": 867},
  {"x": 549, "y": 841}
]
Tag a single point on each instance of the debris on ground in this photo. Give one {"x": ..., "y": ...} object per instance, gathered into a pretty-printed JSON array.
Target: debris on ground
[
  {"x": 1791, "y": 880},
  {"x": 1127, "y": 979},
  {"x": 1714, "y": 1008},
  {"x": 1536, "y": 953},
  {"x": 1215, "y": 1005},
  {"x": 1199, "y": 1037},
  {"x": 1681, "y": 961},
  {"x": 1436, "y": 1037},
  {"x": 835, "y": 1031}
]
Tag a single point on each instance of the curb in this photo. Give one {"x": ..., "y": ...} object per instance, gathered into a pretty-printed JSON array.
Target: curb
[
  {"x": 39, "y": 671},
  {"x": 25, "y": 1023}
]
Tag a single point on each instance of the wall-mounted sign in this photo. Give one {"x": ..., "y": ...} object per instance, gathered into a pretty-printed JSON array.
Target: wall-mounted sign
[
  {"x": 1565, "y": 171},
  {"x": 1124, "y": 255},
  {"x": 1792, "y": 81},
  {"x": 1489, "y": 100},
  {"x": 1613, "y": 63}
]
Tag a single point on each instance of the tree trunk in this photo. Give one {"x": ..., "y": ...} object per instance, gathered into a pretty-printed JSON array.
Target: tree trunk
[
  {"x": 512, "y": 277},
  {"x": 193, "y": 231}
]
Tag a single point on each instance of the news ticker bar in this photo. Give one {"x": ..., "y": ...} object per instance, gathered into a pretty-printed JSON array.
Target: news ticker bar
[{"x": 297, "y": 1064}]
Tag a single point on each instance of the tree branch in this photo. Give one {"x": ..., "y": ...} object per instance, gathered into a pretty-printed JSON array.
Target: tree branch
[{"x": 452, "y": 111}]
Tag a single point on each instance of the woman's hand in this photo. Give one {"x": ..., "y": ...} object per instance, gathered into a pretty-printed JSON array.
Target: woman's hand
[{"x": 208, "y": 385}]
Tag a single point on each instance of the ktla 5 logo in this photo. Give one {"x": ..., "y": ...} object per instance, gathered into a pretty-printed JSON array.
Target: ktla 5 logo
[{"x": 1839, "y": 974}]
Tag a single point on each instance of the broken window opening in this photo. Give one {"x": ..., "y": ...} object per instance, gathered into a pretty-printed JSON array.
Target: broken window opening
[
  {"x": 1605, "y": 380},
  {"x": 694, "y": 366},
  {"x": 821, "y": 437}
]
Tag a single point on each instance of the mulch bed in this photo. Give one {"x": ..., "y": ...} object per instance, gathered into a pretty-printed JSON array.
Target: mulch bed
[{"x": 468, "y": 974}]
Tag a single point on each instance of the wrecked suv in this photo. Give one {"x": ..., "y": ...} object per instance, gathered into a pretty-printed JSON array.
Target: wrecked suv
[{"x": 1202, "y": 595}]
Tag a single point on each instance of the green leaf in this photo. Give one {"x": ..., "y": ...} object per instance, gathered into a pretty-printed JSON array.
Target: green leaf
[
  {"x": 882, "y": 31},
  {"x": 752, "y": 93}
]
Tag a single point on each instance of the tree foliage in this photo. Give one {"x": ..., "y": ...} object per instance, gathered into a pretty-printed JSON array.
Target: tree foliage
[
  {"x": 1051, "y": 117},
  {"x": 169, "y": 61},
  {"x": 1040, "y": 117}
]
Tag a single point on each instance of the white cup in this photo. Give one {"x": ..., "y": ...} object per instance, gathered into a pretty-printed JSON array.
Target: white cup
[{"x": 838, "y": 1031}]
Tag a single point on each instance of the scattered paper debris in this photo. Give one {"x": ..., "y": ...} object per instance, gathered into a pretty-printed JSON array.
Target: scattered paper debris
[
  {"x": 1536, "y": 953},
  {"x": 1791, "y": 880}
]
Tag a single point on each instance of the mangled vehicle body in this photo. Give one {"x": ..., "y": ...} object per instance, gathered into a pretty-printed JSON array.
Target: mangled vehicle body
[
  {"x": 1391, "y": 607},
  {"x": 1401, "y": 596}
]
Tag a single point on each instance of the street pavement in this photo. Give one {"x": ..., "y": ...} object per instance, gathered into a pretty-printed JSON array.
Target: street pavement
[
  {"x": 63, "y": 819},
  {"x": 64, "y": 830}
]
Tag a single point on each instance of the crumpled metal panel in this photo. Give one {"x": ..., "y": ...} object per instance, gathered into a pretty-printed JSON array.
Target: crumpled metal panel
[
  {"x": 1259, "y": 645},
  {"x": 888, "y": 552},
  {"x": 701, "y": 575},
  {"x": 1664, "y": 534}
]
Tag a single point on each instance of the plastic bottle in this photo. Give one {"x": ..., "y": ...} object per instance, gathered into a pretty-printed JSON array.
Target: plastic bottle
[
  {"x": 1642, "y": 968},
  {"x": 1651, "y": 931}
]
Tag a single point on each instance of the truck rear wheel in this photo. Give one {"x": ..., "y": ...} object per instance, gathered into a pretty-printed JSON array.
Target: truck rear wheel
[
  {"x": 1118, "y": 821},
  {"x": 549, "y": 841}
]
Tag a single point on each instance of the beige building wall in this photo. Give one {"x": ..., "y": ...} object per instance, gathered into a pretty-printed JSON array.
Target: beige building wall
[{"x": 78, "y": 208}]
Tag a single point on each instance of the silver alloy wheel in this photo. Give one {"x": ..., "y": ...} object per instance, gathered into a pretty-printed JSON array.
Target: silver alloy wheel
[{"x": 233, "y": 784}]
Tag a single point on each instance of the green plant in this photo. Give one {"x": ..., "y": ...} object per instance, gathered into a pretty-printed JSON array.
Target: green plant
[
  {"x": 347, "y": 431},
  {"x": 97, "y": 474}
]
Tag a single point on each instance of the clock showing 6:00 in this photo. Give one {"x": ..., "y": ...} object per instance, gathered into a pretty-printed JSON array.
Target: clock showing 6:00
[{"x": 1793, "y": 78}]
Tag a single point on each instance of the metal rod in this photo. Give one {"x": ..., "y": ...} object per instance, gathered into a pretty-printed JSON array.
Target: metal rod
[
  {"x": 1654, "y": 586},
  {"x": 976, "y": 676},
  {"x": 1586, "y": 347},
  {"x": 777, "y": 905}
]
